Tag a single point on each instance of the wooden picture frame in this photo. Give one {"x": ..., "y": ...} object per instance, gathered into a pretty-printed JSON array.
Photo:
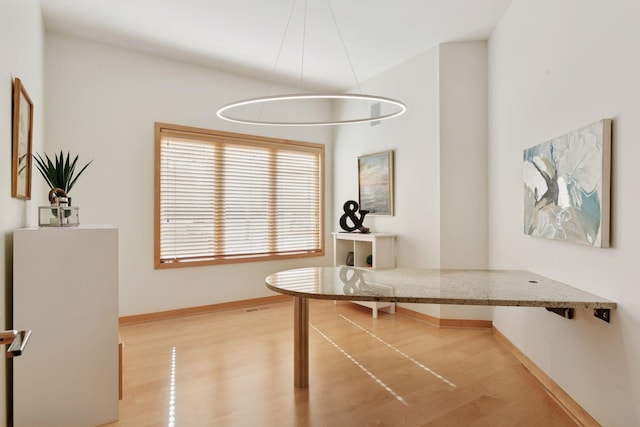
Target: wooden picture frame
[
  {"x": 22, "y": 142},
  {"x": 375, "y": 183}
]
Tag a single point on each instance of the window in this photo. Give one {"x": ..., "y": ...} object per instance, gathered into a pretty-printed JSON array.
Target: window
[{"x": 224, "y": 197}]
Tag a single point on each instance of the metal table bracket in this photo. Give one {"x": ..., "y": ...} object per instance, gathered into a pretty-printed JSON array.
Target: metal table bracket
[
  {"x": 602, "y": 314},
  {"x": 565, "y": 312}
]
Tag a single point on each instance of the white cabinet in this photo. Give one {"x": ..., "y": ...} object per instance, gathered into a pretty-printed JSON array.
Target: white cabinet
[
  {"x": 65, "y": 289},
  {"x": 358, "y": 247}
]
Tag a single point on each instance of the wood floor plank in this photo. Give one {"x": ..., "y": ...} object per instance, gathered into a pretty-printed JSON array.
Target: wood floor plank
[{"x": 235, "y": 368}]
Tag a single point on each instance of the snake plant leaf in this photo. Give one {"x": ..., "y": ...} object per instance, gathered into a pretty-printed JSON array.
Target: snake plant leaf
[
  {"x": 42, "y": 168},
  {"x": 59, "y": 173},
  {"x": 73, "y": 182}
]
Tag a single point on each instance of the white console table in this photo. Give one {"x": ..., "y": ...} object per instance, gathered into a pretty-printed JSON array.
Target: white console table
[
  {"x": 65, "y": 289},
  {"x": 382, "y": 249}
]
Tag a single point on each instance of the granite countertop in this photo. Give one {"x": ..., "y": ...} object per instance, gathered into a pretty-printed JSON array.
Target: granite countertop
[{"x": 437, "y": 286}]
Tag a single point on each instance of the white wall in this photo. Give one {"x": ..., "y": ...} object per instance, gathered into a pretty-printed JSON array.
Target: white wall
[
  {"x": 21, "y": 51},
  {"x": 414, "y": 139},
  {"x": 102, "y": 103},
  {"x": 554, "y": 67},
  {"x": 463, "y": 155},
  {"x": 462, "y": 75},
  {"x": 440, "y": 163}
]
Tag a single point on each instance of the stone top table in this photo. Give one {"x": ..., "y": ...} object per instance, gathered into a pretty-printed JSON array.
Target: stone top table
[
  {"x": 464, "y": 287},
  {"x": 435, "y": 286}
]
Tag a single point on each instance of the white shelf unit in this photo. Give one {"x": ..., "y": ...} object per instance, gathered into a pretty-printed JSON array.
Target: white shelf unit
[
  {"x": 381, "y": 247},
  {"x": 65, "y": 289}
]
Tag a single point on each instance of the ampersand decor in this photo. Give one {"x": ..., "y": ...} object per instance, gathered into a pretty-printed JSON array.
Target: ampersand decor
[{"x": 350, "y": 208}]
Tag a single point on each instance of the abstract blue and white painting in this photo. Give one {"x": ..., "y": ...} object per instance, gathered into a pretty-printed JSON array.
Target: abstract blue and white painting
[{"x": 566, "y": 186}]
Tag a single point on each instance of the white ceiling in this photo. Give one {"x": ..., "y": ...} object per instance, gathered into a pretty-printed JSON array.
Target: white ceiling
[{"x": 245, "y": 36}]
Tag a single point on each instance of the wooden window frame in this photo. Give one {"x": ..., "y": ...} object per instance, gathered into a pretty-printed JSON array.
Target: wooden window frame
[{"x": 251, "y": 141}]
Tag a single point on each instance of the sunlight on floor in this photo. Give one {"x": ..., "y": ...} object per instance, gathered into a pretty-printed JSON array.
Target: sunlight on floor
[
  {"x": 435, "y": 374},
  {"x": 359, "y": 365},
  {"x": 172, "y": 390}
]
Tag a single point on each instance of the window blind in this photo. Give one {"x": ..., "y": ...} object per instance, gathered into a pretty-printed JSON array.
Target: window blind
[{"x": 227, "y": 197}]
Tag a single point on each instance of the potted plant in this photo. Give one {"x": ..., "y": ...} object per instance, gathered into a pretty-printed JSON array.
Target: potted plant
[{"x": 59, "y": 174}]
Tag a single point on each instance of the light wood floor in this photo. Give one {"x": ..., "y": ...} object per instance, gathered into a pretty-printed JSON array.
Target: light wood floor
[{"x": 235, "y": 368}]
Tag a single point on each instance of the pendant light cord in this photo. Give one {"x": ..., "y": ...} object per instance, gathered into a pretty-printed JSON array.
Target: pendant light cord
[
  {"x": 344, "y": 46},
  {"x": 284, "y": 37},
  {"x": 304, "y": 39},
  {"x": 223, "y": 112}
]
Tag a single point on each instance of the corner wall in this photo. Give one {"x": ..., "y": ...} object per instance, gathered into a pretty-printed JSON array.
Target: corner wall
[
  {"x": 21, "y": 55},
  {"x": 440, "y": 173},
  {"x": 463, "y": 164},
  {"x": 555, "y": 67},
  {"x": 463, "y": 155}
]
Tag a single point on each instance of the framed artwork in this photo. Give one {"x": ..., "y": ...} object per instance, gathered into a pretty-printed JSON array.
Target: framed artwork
[
  {"x": 375, "y": 183},
  {"x": 22, "y": 141},
  {"x": 567, "y": 186}
]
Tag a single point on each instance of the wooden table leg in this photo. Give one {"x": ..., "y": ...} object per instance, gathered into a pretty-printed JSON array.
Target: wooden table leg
[{"x": 301, "y": 342}]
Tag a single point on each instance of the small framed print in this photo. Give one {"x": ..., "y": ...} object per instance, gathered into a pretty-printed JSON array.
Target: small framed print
[
  {"x": 375, "y": 183},
  {"x": 22, "y": 142}
]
